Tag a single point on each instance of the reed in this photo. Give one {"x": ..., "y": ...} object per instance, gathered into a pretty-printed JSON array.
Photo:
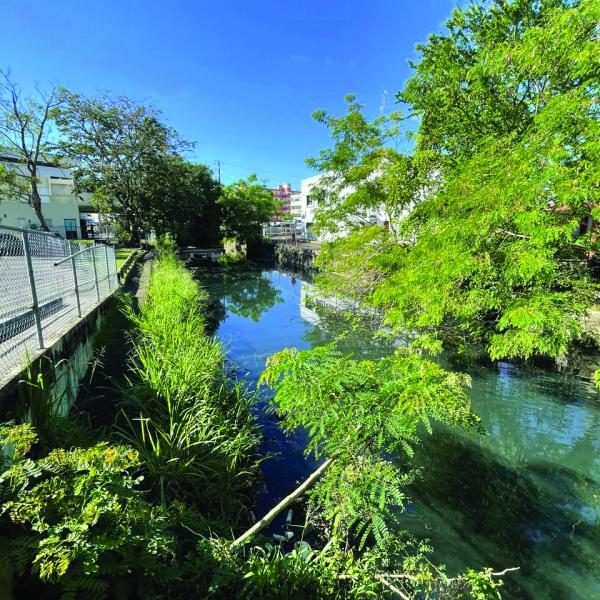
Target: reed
[{"x": 194, "y": 431}]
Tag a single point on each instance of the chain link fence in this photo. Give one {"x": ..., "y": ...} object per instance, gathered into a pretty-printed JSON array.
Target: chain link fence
[{"x": 46, "y": 284}]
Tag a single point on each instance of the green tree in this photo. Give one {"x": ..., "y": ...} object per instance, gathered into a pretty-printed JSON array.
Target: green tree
[
  {"x": 491, "y": 72},
  {"x": 121, "y": 148},
  {"x": 26, "y": 137},
  {"x": 183, "y": 201},
  {"x": 246, "y": 206},
  {"x": 496, "y": 248},
  {"x": 362, "y": 174}
]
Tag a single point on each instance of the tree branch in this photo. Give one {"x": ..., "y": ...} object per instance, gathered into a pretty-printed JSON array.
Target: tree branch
[{"x": 270, "y": 516}]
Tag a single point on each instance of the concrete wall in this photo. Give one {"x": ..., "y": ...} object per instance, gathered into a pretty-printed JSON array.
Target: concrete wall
[
  {"x": 294, "y": 257},
  {"x": 62, "y": 366}
]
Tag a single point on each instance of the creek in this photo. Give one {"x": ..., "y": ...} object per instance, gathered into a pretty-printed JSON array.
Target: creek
[{"x": 526, "y": 492}]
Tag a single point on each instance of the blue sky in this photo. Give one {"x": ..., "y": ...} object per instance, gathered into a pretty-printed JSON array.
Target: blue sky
[{"x": 240, "y": 78}]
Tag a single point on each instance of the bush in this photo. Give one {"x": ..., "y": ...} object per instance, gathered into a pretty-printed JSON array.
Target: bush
[{"x": 86, "y": 519}]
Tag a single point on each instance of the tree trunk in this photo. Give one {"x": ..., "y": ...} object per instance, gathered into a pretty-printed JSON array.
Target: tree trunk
[{"x": 36, "y": 203}]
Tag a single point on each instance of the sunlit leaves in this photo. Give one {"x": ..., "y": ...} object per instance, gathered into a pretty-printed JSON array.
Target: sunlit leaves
[
  {"x": 497, "y": 249},
  {"x": 363, "y": 413}
]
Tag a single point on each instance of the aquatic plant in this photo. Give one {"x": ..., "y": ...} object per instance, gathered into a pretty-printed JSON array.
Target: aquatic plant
[{"x": 194, "y": 431}]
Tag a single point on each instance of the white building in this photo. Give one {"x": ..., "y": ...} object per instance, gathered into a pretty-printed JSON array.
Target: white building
[
  {"x": 296, "y": 204},
  {"x": 66, "y": 213},
  {"x": 309, "y": 203}
]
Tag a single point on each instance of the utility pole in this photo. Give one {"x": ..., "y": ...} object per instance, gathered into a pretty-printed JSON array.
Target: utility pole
[{"x": 219, "y": 170}]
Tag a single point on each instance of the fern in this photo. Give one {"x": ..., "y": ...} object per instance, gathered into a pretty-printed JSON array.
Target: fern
[{"x": 86, "y": 519}]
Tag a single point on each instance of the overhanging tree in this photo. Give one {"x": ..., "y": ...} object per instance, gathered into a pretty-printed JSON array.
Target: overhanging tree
[{"x": 498, "y": 249}]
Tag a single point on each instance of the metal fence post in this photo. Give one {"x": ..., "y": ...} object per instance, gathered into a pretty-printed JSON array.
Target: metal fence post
[
  {"x": 95, "y": 272},
  {"x": 74, "y": 269},
  {"x": 34, "y": 299},
  {"x": 107, "y": 267}
]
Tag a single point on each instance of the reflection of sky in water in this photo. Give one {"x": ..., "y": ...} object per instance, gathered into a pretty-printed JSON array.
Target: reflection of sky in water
[{"x": 526, "y": 493}]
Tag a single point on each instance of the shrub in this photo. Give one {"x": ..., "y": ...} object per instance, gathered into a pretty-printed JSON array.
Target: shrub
[{"x": 84, "y": 515}]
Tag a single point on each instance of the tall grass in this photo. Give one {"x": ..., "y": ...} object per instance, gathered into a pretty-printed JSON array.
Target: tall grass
[{"x": 195, "y": 433}]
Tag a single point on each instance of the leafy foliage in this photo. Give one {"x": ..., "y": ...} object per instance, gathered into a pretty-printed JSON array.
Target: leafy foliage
[
  {"x": 365, "y": 415},
  {"x": 363, "y": 174},
  {"x": 84, "y": 513},
  {"x": 498, "y": 246},
  {"x": 182, "y": 201},
  {"x": 246, "y": 205},
  {"x": 196, "y": 433},
  {"x": 126, "y": 157}
]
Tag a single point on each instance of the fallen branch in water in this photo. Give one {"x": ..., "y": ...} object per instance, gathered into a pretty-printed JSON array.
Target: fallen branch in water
[
  {"x": 268, "y": 518},
  {"x": 500, "y": 573},
  {"x": 391, "y": 587}
]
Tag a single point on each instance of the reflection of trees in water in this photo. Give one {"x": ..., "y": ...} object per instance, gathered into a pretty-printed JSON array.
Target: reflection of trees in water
[
  {"x": 525, "y": 494},
  {"x": 246, "y": 292},
  {"x": 481, "y": 510},
  {"x": 358, "y": 334}
]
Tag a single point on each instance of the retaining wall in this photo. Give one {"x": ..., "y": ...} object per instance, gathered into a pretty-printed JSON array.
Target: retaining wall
[{"x": 61, "y": 367}]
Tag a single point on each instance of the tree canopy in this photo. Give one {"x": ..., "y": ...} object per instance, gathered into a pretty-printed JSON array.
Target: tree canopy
[
  {"x": 120, "y": 148},
  {"x": 246, "y": 205},
  {"x": 497, "y": 248}
]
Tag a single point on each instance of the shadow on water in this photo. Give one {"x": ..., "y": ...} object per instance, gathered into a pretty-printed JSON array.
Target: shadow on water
[{"x": 478, "y": 510}]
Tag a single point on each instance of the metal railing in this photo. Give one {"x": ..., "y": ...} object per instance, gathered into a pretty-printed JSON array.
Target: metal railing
[{"x": 46, "y": 284}]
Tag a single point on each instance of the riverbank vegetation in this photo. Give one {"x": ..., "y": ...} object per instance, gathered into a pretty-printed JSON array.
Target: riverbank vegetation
[{"x": 150, "y": 506}]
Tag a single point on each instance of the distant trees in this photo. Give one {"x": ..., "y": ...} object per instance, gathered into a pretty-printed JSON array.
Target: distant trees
[
  {"x": 26, "y": 128},
  {"x": 131, "y": 162},
  {"x": 246, "y": 205},
  {"x": 119, "y": 150},
  {"x": 183, "y": 201}
]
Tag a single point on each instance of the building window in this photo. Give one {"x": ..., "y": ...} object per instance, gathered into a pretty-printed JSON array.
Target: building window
[{"x": 71, "y": 229}]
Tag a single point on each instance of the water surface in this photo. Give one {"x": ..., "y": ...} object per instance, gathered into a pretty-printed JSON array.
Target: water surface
[{"x": 526, "y": 493}]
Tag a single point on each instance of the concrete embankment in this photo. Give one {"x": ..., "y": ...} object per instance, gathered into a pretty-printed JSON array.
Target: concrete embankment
[
  {"x": 301, "y": 256},
  {"x": 61, "y": 367}
]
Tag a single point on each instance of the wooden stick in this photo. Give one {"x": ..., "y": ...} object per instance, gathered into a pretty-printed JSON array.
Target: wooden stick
[
  {"x": 391, "y": 587},
  {"x": 268, "y": 518},
  {"x": 500, "y": 573}
]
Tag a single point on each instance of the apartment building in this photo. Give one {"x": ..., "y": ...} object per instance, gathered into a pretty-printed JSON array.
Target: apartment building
[
  {"x": 307, "y": 204},
  {"x": 284, "y": 194},
  {"x": 69, "y": 215}
]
